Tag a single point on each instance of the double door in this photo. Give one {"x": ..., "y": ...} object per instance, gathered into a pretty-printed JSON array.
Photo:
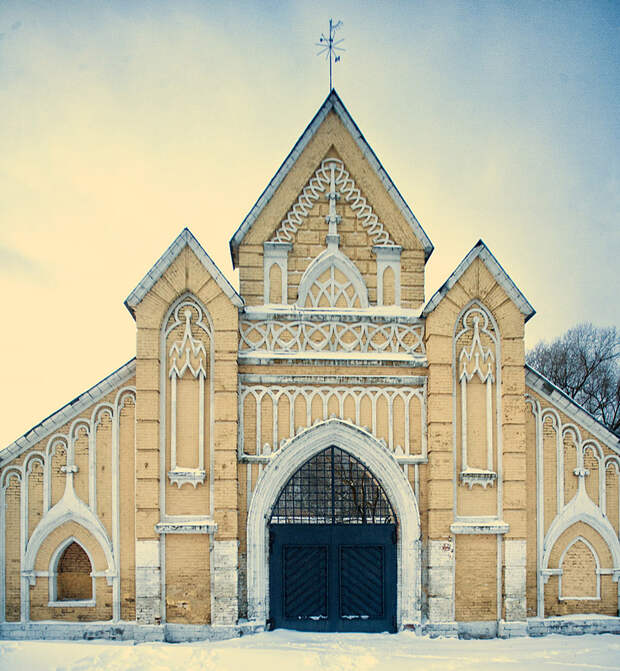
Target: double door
[{"x": 333, "y": 577}]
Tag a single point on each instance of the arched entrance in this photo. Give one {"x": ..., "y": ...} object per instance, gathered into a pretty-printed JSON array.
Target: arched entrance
[
  {"x": 332, "y": 549},
  {"x": 384, "y": 470}
]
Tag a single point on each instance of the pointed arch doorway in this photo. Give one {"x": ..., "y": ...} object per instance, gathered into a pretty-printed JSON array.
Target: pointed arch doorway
[
  {"x": 332, "y": 549},
  {"x": 359, "y": 443}
]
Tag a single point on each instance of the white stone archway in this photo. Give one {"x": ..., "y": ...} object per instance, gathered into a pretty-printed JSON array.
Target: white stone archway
[{"x": 362, "y": 445}]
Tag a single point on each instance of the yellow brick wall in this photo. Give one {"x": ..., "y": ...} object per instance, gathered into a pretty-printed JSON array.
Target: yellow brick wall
[
  {"x": 579, "y": 572},
  {"x": 101, "y": 426},
  {"x": 551, "y": 434},
  {"x": 608, "y": 603},
  {"x": 188, "y": 594},
  {"x": 39, "y": 593},
  {"x": 475, "y": 578},
  {"x": 476, "y": 572},
  {"x": 530, "y": 576},
  {"x": 187, "y": 275},
  {"x": 12, "y": 537},
  {"x": 127, "y": 467}
]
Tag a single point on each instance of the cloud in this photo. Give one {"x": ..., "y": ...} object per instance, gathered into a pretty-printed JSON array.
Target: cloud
[{"x": 13, "y": 262}]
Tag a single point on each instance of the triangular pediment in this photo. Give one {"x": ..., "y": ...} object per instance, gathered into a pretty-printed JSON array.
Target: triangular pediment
[
  {"x": 183, "y": 240},
  {"x": 332, "y": 135},
  {"x": 482, "y": 252}
]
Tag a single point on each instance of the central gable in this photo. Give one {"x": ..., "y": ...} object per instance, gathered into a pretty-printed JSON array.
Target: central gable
[{"x": 293, "y": 210}]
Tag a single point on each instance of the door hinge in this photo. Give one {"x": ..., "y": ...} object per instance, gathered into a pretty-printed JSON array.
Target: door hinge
[
  {"x": 272, "y": 538},
  {"x": 395, "y": 536}
]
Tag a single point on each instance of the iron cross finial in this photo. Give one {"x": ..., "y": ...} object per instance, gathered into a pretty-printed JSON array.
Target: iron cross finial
[{"x": 329, "y": 47}]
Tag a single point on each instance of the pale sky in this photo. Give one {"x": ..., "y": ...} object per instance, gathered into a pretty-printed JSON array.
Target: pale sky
[{"x": 123, "y": 122}]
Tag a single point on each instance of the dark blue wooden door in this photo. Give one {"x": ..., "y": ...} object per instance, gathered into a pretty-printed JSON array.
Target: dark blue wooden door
[{"x": 333, "y": 577}]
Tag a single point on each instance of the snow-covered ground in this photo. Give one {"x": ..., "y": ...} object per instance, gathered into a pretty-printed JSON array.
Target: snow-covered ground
[{"x": 328, "y": 652}]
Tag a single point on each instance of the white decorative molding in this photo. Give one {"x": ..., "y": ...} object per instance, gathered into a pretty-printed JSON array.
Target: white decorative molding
[
  {"x": 540, "y": 502},
  {"x": 314, "y": 292},
  {"x": 387, "y": 380},
  {"x": 614, "y": 462},
  {"x": 477, "y": 476},
  {"x": 388, "y": 257},
  {"x": 119, "y": 402},
  {"x": 476, "y": 359},
  {"x": 70, "y": 509},
  {"x": 382, "y": 465},
  {"x": 547, "y": 573},
  {"x": 332, "y": 170},
  {"x": 181, "y": 476},
  {"x": 581, "y": 508},
  {"x": 187, "y": 524},
  {"x": 52, "y": 577},
  {"x": 276, "y": 253},
  {"x": 309, "y": 394},
  {"x": 188, "y": 354},
  {"x": 493, "y": 527},
  {"x": 276, "y": 338}
]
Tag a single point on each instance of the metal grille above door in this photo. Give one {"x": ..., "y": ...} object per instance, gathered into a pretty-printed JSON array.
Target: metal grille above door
[{"x": 332, "y": 488}]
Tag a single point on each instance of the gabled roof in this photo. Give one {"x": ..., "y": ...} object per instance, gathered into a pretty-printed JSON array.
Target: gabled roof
[
  {"x": 332, "y": 102},
  {"x": 481, "y": 251},
  {"x": 185, "y": 238},
  {"x": 68, "y": 411},
  {"x": 562, "y": 401}
]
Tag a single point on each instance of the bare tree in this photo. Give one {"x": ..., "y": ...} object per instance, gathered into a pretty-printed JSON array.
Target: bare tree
[{"x": 585, "y": 364}]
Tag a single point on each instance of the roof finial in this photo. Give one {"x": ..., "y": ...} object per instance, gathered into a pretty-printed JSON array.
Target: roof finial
[{"x": 329, "y": 47}]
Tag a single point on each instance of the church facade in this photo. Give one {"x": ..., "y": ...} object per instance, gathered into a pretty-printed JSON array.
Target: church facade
[{"x": 325, "y": 449}]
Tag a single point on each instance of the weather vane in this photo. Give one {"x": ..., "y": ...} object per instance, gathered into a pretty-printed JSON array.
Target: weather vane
[{"x": 329, "y": 47}]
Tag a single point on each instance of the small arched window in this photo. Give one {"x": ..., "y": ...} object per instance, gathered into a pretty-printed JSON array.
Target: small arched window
[{"x": 72, "y": 582}]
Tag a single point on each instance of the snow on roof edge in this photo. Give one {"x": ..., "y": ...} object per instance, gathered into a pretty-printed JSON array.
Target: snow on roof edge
[
  {"x": 68, "y": 411},
  {"x": 185, "y": 237},
  {"x": 480, "y": 250},
  {"x": 562, "y": 401}
]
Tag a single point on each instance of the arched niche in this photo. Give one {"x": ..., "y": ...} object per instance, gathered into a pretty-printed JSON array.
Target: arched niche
[
  {"x": 71, "y": 577},
  {"x": 332, "y": 281}
]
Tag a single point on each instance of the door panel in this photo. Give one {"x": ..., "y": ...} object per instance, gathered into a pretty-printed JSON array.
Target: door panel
[
  {"x": 330, "y": 577},
  {"x": 305, "y": 581},
  {"x": 361, "y": 581}
]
